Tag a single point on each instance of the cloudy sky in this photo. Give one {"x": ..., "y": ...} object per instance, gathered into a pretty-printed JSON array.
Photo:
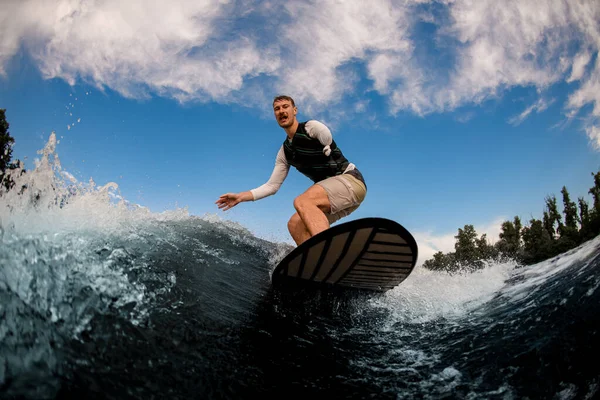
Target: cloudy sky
[{"x": 456, "y": 111}]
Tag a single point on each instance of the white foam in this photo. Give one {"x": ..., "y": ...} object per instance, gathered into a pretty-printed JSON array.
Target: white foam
[
  {"x": 52, "y": 200},
  {"x": 50, "y": 227},
  {"x": 532, "y": 277},
  {"x": 427, "y": 295}
]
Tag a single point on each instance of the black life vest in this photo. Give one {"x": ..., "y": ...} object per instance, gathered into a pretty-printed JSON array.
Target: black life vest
[{"x": 306, "y": 154}]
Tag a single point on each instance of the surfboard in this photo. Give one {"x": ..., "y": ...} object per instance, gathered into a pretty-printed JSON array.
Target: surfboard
[{"x": 373, "y": 254}]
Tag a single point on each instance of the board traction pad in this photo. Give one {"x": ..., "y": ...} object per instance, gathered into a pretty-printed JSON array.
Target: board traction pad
[{"x": 374, "y": 254}]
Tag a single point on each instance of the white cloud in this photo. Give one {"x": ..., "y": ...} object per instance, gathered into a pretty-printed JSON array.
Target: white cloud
[
  {"x": 539, "y": 106},
  {"x": 506, "y": 44},
  {"x": 579, "y": 64},
  {"x": 593, "y": 133},
  {"x": 361, "y": 106},
  {"x": 525, "y": 43},
  {"x": 588, "y": 92},
  {"x": 249, "y": 50},
  {"x": 465, "y": 117},
  {"x": 323, "y": 36},
  {"x": 136, "y": 47}
]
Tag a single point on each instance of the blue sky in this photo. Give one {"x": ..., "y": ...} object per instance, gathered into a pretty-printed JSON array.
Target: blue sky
[{"x": 457, "y": 112}]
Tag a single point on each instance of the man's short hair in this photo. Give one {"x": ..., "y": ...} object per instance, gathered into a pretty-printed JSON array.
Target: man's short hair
[{"x": 283, "y": 97}]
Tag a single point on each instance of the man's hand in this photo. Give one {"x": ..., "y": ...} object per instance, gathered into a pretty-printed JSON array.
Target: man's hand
[{"x": 230, "y": 200}]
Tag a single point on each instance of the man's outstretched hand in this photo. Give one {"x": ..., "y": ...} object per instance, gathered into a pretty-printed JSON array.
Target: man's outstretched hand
[{"x": 230, "y": 200}]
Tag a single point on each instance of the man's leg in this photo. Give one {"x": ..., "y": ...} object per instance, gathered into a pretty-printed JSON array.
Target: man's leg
[
  {"x": 311, "y": 207},
  {"x": 298, "y": 230},
  {"x": 314, "y": 206}
]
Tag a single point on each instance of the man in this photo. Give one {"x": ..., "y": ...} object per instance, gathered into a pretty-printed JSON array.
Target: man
[{"x": 339, "y": 187}]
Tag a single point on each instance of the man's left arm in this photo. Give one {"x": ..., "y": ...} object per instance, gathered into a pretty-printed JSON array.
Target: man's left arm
[{"x": 318, "y": 130}]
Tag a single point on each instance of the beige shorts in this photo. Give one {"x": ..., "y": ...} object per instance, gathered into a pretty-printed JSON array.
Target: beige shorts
[{"x": 345, "y": 194}]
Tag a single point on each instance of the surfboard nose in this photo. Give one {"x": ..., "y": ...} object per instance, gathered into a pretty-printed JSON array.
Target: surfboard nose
[{"x": 369, "y": 254}]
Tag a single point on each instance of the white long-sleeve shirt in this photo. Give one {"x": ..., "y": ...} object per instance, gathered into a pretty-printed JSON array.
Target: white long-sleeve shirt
[{"x": 315, "y": 130}]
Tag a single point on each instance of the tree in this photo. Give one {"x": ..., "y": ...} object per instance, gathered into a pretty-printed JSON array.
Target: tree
[
  {"x": 485, "y": 251},
  {"x": 441, "y": 262},
  {"x": 570, "y": 210},
  {"x": 595, "y": 192},
  {"x": 537, "y": 243},
  {"x": 466, "y": 247},
  {"x": 510, "y": 238},
  {"x": 569, "y": 233},
  {"x": 548, "y": 224},
  {"x": 6, "y": 142},
  {"x": 518, "y": 227},
  {"x": 594, "y": 214},
  {"x": 584, "y": 218},
  {"x": 552, "y": 217}
]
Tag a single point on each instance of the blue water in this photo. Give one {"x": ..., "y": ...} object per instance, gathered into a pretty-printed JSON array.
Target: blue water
[{"x": 100, "y": 298}]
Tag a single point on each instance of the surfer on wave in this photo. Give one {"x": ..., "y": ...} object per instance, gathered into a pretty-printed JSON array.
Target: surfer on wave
[{"x": 339, "y": 188}]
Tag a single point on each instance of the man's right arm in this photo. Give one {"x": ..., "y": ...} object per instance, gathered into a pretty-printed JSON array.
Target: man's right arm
[{"x": 276, "y": 180}]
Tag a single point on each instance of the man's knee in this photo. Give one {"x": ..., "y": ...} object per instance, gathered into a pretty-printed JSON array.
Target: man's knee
[
  {"x": 299, "y": 203},
  {"x": 315, "y": 196},
  {"x": 294, "y": 222}
]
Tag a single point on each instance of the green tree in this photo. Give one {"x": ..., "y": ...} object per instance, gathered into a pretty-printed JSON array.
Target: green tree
[
  {"x": 537, "y": 243},
  {"x": 584, "y": 218},
  {"x": 552, "y": 217},
  {"x": 569, "y": 232},
  {"x": 594, "y": 214},
  {"x": 518, "y": 227},
  {"x": 465, "y": 248},
  {"x": 485, "y": 250},
  {"x": 548, "y": 224},
  {"x": 441, "y": 262},
  {"x": 6, "y": 143},
  {"x": 595, "y": 192},
  {"x": 510, "y": 238},
  {"x": 570, "y": 210}
]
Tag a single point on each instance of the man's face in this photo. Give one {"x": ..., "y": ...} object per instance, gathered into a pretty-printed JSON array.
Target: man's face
[{"x": 285, "y": 113}]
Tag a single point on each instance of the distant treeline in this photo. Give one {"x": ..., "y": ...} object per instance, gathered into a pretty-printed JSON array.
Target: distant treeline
[{"x": 540, "y": 240}]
